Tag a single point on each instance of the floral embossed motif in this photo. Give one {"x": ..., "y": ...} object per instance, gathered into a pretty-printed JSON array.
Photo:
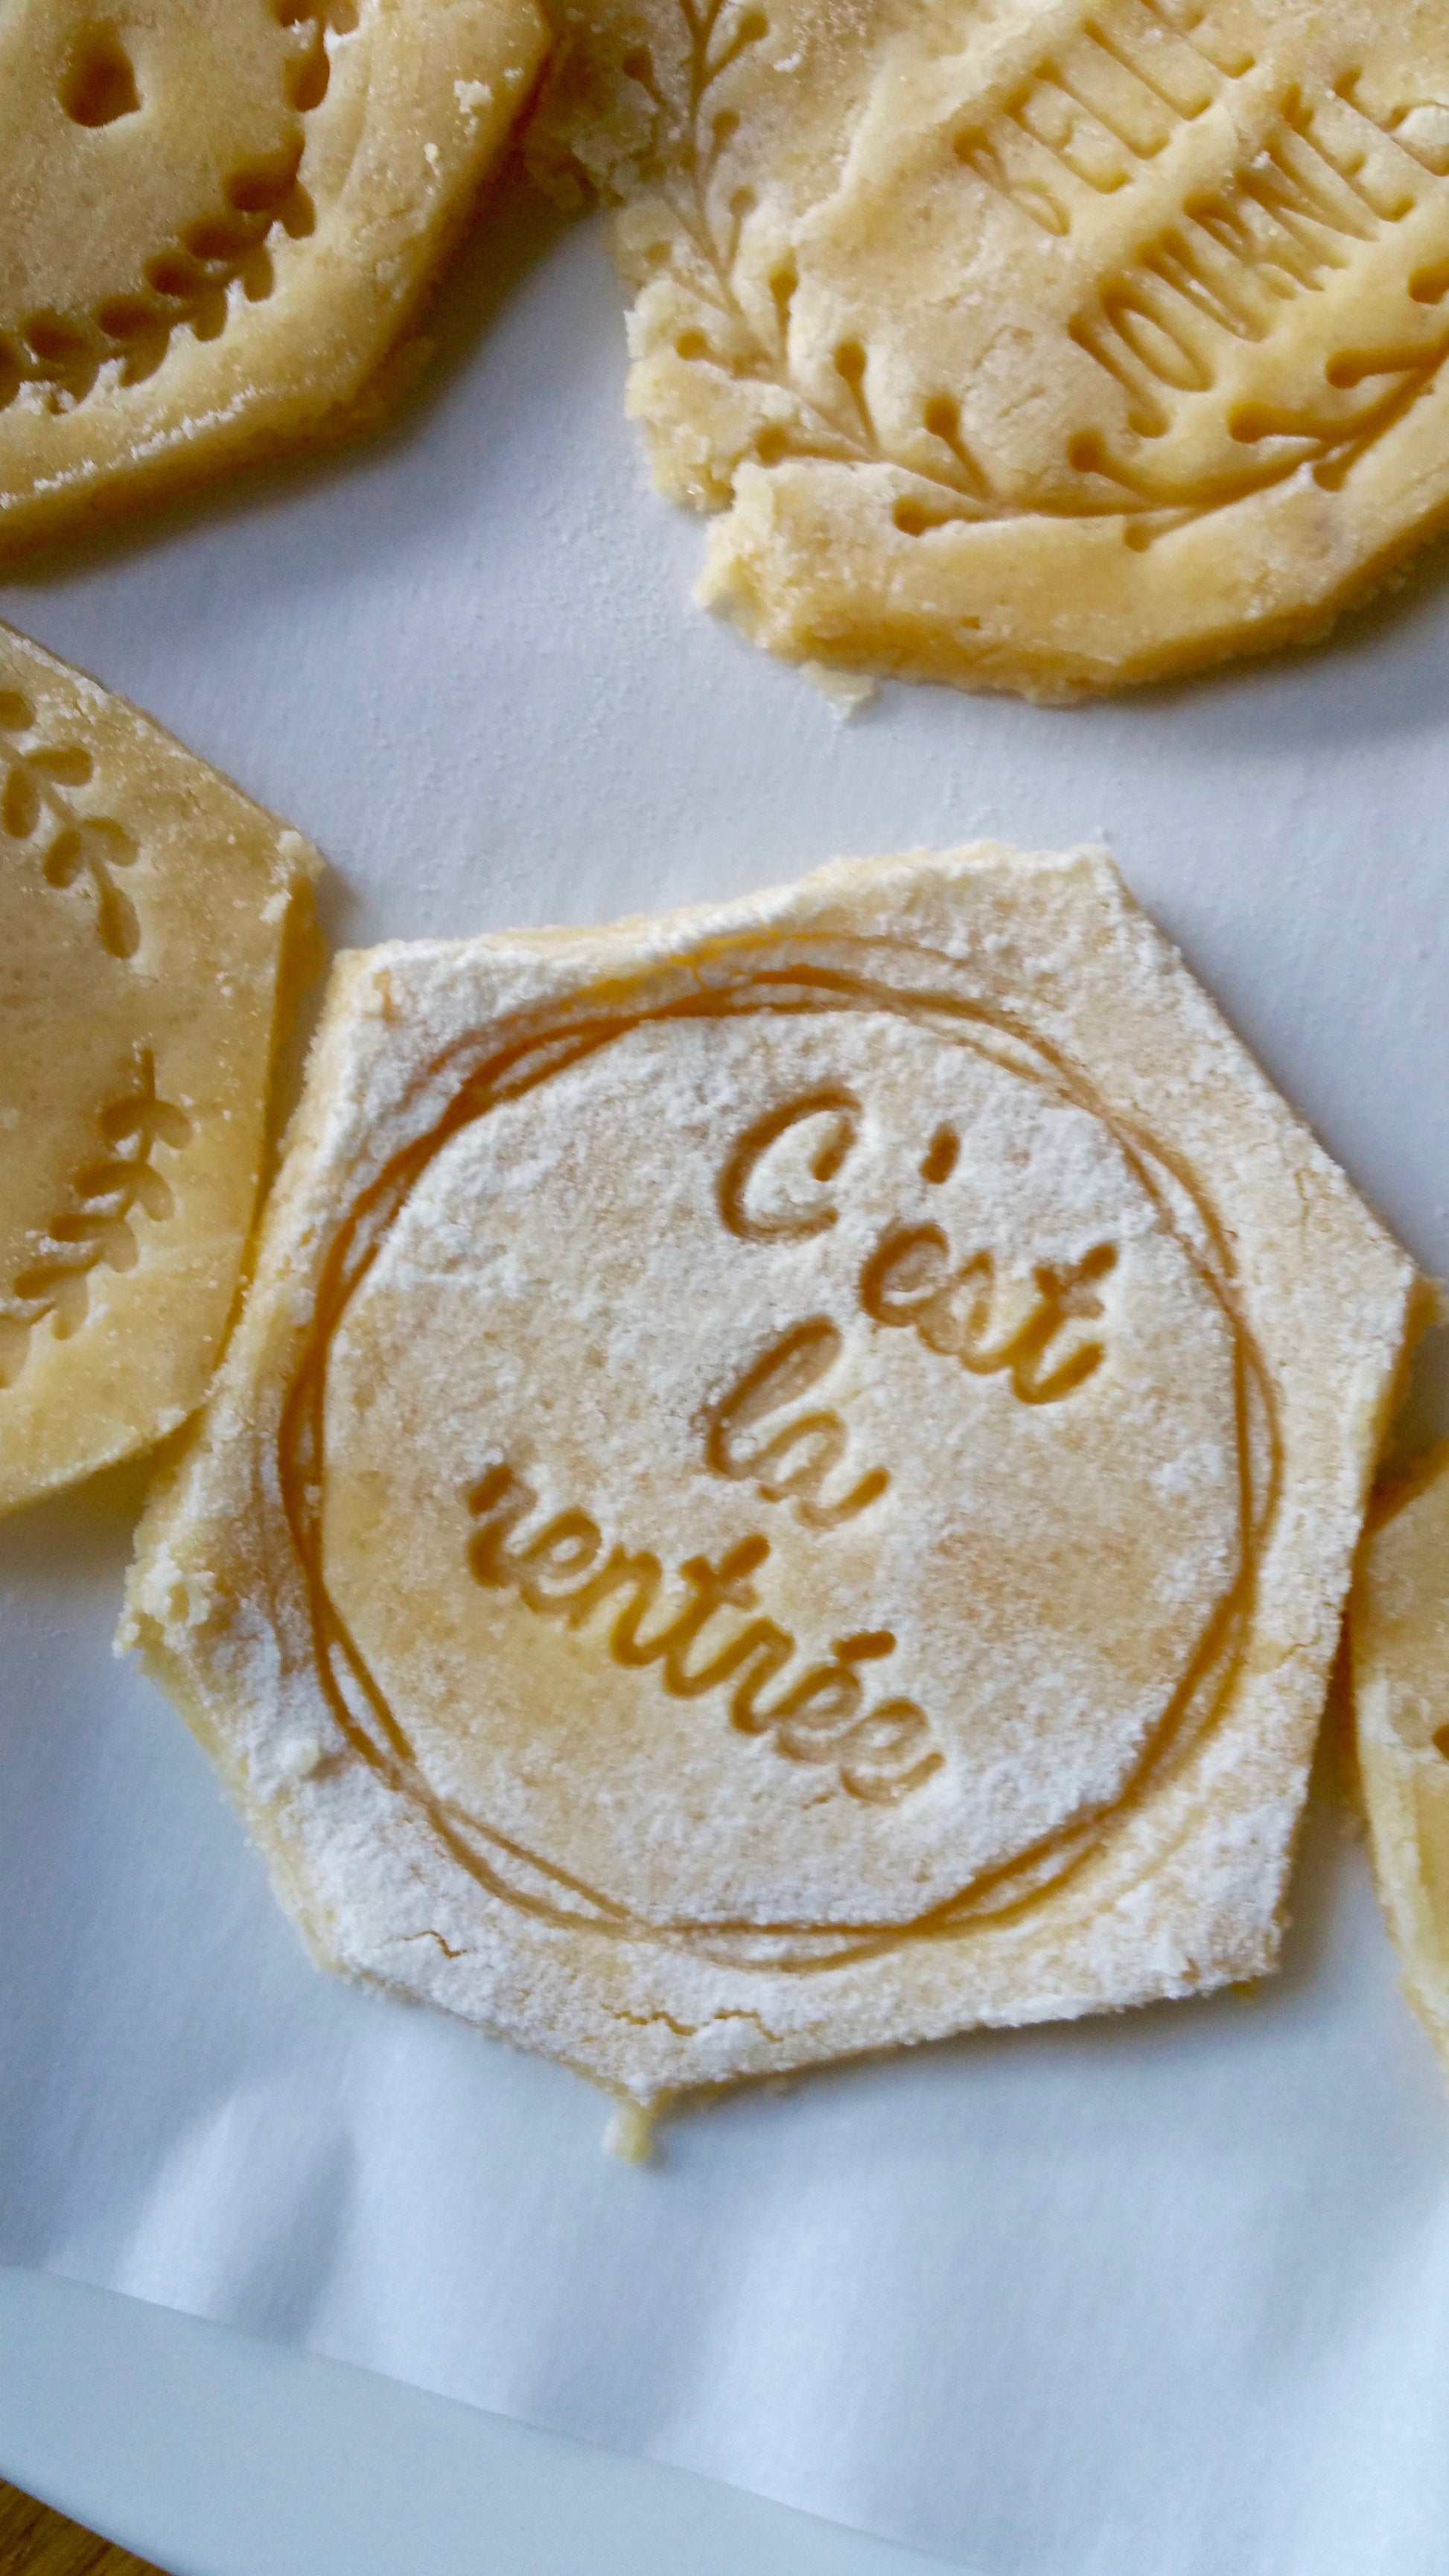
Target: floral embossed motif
[
  {"x": 80, "y": 847},
  {"x": 96, "y": 1226},
  {"x": 189, "y": 280}
]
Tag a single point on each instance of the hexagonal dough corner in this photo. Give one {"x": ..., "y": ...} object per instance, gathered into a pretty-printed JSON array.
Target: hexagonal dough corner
[
  {"x": 153, "y": 925},
  {"x": 786, "y": 1481},
  {"x": 218, "y": 217}
]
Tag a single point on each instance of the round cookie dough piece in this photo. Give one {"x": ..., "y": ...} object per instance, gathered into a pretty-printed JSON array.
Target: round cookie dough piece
[
  {"x": 153, "y": 924},
  {"x": 1399, "y": 1640},
  {"x": 218, "y": 217},
  {"x": 1031, "y": 348},
  {"x": 786, "y": 1481}
]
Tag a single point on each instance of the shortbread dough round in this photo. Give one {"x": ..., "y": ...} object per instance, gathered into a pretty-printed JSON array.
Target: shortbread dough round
[
  {"x": 1399, "y": 1636},
  {"x": 1036, "y": 347},
  {"x": 217, "y": 217},
  {"x": 153, "y": 925},
  {"x": 786, "y": 1480}
]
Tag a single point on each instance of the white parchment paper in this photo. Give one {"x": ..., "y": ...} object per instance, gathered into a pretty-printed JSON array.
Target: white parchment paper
[{"x": 1158, "y": 2297}]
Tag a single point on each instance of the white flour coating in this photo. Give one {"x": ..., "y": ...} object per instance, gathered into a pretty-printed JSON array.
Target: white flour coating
[
  {"x": 1115, "y": 1723},
  {"x": 560, "y": 1303}
]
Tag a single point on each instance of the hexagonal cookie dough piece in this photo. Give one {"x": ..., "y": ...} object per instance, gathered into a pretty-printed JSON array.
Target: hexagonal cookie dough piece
[
  {"x": 787, "y": 1479},
  {"x": 1040, "y": 350},
  {"x": 153, "y": 922},
  {"x": 218, "y": 217},
  {"x": 1399, "y": 1641}
]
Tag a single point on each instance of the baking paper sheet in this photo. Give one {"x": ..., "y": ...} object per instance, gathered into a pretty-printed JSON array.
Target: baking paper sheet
[{"x": 1161, "y": 2296}]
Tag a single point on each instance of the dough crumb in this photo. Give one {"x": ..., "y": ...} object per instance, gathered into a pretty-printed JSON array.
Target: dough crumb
[
  {"x": 845, "y": 692},
  {"x": 630, "y": 2134}
]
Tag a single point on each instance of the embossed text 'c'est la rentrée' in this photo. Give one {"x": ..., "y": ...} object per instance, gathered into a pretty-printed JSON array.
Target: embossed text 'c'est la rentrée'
[
  {"x": 912, "y": 1277},
  {"x": 881, "y": 1754}
]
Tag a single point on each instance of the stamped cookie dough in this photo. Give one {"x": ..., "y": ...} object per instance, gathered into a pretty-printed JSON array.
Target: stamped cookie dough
[
  {"x": 1399, "y": 1640},
  {"x": 1032, "y": 347},
  {"x": 787, "y": 1479},
  {"x": 217, "y": 217},
  {"x": 152, "y": 920}
]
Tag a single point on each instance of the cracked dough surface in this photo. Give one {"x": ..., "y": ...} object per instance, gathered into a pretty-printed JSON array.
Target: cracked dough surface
[
  {"x": 1399, "y": 1638},
  {"x": 218, "y": 216},
  {"x": 1027, "y": 346},
  {"x": 786, "y": 1480},
  {"x": 152, "y": 919}
]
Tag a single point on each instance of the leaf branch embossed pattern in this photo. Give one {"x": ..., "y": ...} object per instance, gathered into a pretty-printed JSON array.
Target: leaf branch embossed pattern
[
  {"x": 1004, "y": 291},
  {"x": 1305, "y": 194},
  {"x": 187, "y": 281},
  {"x": 715, "y": 38},
  {"x": 81, "y": 848},
  {"x": 96, "y": 1225}
]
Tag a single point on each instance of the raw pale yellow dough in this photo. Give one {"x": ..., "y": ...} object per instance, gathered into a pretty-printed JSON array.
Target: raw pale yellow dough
[
  {"x": 787, "y": 1479},
  {"x": 1033, "y": 347},
  {"x": 150, "y": 918},
  {"x": 1399, "y": 1633},
  {"x": 217, "y": 216}
]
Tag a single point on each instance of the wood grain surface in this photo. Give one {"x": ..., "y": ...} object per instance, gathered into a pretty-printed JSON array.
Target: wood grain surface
[{"x": 36, "y": 2542}]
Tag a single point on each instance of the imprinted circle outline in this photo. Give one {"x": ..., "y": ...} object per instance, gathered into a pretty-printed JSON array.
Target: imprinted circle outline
[{"x": 716, "y": 987}]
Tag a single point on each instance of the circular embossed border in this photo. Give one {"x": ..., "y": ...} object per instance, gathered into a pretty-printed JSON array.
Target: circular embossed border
[{"x": 480, "y": 1073}]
